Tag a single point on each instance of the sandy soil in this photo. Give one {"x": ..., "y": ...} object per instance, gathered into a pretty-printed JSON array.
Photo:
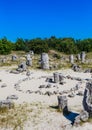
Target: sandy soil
[{"x": 44, "y": 116}]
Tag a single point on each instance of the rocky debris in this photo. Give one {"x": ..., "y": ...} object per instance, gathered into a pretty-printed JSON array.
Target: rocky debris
[
  {"x": 22, "y": 67},
  {"x": 3, "y": 85},
  {"x": 88, "y": 71},
  {"x": 48, "y": 86},
  {"x": 76, "y": 68},
  {"x": 84, "y": 116},
  {"x": 71, "y": 94},
  {"x": 38, "y": 92},
  {"x": 28, "y": 73},
  {"x": 49, "y": 79},
  {"x": 14, "y": 72},
  {"x": 48, "y": 93},
  {"x": 77, "y": 121},
  {"x": 14, "y": 57},
  {"x": 87, "y": 100},
  {"x": 42, "y": 86},
  {"x": 13, "y": 97},
  {"x": 80, "y": 93},
  {"x": 0, "y": 80},
  {"x": 29, "y": 91},
  {"x": 6, "y": 103}
]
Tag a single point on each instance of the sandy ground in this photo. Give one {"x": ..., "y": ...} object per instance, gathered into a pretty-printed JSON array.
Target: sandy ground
[{"x": 47, "y": 117}]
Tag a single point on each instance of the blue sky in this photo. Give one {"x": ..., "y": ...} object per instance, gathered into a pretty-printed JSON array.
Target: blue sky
[{"x": 44, "y": 18}]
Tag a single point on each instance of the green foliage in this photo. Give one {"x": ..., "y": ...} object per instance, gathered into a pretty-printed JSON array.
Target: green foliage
[
  {"x": 5, "y": 46},
  {"x": 38, "y": 45}
]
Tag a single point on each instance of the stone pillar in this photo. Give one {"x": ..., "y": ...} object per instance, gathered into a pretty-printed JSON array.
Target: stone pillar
[
  {"x": 3, "y": 60},
  {"x": 29, "y": 60},
  {"x": 14, "y": 57},
  {"x": 83, "y": 56},
  {"x": 61, "y": 77},
  {"x": 22, "y": 67},
  {"x": 78, "y": 57},
  {"x": 71, "y": 59},
  {"x": 44, "y": 61},
  {"x": 62, "y": 103},
  {"x": 87, "y": 100},
  {"x": 56, "y": 77}
]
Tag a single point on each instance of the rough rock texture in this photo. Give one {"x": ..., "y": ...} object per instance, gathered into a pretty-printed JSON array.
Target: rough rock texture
[
  {"x": 71, "y": 59},
  {"x": 87, "y": 100},
  {"x": 62, "y": 103},
  {"x": 44, "y": 61}
]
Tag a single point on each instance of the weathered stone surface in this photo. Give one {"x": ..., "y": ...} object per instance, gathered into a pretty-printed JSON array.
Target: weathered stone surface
[
  {"x": 3, "y": 85},
  {"x": 76, "y": 67},
  {"x": 77, "y": 121},
  {"x": 22, "y": 67},
  {"x": 6, "y": 103},
  {"x": 14, "y": 57},
  {"x": 14, "y": 97},
  {"x": 62, "y": 102},
  {"x": 71, "y": 59},
  {"x": 83, "y": 55},
  {"x": 56, "y": 77},
  {"x": 84, "y": 116},
  {"x": 87, "y": 100},
  {"x": 44, "y": 61}
]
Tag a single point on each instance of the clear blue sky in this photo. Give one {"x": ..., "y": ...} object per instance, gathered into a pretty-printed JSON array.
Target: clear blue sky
[{"x": 44, "y": 18}]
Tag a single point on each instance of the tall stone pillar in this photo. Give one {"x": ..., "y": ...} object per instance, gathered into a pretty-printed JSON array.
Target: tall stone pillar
[
  {"x": 87, "y": 100},
  {"x": 44, "y": 61},
  {"x": 71, "y": 59}
]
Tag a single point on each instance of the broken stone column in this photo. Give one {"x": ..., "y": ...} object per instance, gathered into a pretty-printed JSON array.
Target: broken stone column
[
  {"x": 56, "y": 77},
  {"x": 71, "y": 59},
  {"x": 14, "y": 57},
  {"x": 62, "y": 103},
  {"x": 83, "y": 55},
  {"x": 44, "y": 61},
  {"x": 87, "y": 100},
  {"x": 4, "y": 60},
  {"x": 78, "y": 57},
  {"x": 22, "y": 67},
  {"x": 29, "y": 60},
  {"x": 61, "y": 77}
]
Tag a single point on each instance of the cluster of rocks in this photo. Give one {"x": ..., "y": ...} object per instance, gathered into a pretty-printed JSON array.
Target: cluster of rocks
[
  {"x": 80, "y": 57},
  {"x": 82, "y": 117},
  {"x": 6, "y": 103},
  {"x": 58, "y": 78}
]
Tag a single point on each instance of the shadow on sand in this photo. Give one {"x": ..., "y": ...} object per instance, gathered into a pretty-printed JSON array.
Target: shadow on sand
[{"x": 67, "y": 114}]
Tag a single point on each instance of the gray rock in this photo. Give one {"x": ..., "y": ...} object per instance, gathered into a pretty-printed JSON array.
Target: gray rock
[
  {"x": 87, "y": 100},
  {"x": 84, "y": 116},
  {"x": 13, "y": 97},
  {"x": 44, "y": 61}
]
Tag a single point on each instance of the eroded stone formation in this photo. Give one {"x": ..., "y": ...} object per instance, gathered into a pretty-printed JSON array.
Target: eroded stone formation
[
  {"x": 44, "y": 61},
  {"x": 29, "y": 60},
  {"x": 62, "y": 103},
  {"x": 71, "y": 59},
  {"x": 22, "y": 67},
  {"x": 87, "y": 100},
  {"x": 58, "y": 77},
  {"x": 14, "y": 57},
  {"x": 83, "y": 55}
]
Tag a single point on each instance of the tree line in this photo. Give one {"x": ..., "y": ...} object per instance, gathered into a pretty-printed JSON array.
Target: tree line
[{"x": 38, "y": 45}]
